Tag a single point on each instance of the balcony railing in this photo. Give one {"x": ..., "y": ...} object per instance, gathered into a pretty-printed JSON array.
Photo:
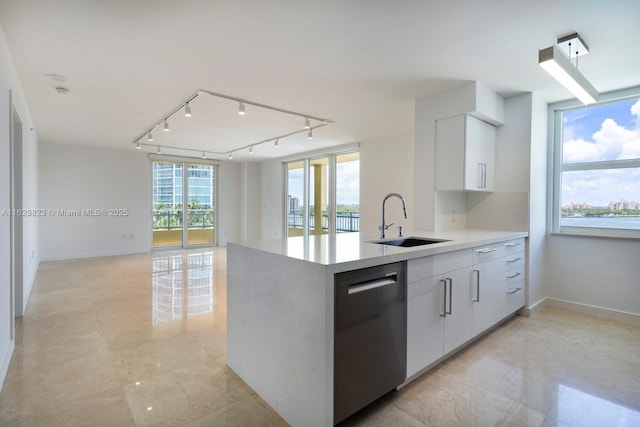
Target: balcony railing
[
  {"x": 171, "y": 220},
  {"x": 345, "y": 221}
]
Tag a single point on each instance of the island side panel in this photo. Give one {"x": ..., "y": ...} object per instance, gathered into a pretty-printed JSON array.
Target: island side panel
[{"x": 279, "y": 334}]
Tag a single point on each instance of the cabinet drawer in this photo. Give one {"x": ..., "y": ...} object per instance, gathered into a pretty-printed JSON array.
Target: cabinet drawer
[
  {"x": 497, "y": 250},
  {"x": 420, "y": 268}
]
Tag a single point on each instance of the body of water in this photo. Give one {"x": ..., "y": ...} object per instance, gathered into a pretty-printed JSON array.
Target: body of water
[{"x": 626, "y": 222}]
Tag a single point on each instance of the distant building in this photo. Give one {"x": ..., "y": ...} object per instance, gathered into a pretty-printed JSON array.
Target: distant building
[
  {"x": 624, "y": 204},
  {"x": 578, "y": 206},
  {"x": 293, "y": 202},
  {"x": 167, "y": 184}
]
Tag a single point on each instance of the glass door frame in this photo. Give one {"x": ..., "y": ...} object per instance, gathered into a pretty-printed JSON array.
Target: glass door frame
[
  {"x": 332, "y": 172},
  {"x": 186, "y": 161}
]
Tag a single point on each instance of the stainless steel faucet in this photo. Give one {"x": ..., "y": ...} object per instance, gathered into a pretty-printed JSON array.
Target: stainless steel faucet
[{"x": 384, "y": 227}]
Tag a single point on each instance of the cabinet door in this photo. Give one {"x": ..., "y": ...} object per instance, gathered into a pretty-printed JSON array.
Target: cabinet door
[
  {"x": 486, "y": 294},
  {"x": 459, "y": 311},
  {"x": 479, "y": 155},
  {"x": 425, "y": 311}
]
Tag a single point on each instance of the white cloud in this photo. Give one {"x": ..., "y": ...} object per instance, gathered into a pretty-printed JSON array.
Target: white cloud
[{"x": 611, "y": 142}]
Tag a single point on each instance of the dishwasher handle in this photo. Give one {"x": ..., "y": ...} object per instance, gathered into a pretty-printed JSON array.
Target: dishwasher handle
[{"x": 388, "y": 279}]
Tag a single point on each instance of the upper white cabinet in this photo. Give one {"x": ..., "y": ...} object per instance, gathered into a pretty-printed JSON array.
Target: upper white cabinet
[{"x": 465, "y": 154}]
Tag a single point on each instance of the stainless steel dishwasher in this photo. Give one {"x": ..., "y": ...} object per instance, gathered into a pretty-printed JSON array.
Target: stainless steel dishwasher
[{"x": 370, "y": 341}]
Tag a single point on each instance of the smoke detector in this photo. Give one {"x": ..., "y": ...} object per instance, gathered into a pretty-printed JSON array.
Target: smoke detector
[{"x": 62, "y": 90}]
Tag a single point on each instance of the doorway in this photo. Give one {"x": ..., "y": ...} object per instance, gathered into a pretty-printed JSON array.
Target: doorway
[
  {"x": 16, "y": 223},
  {"x": 184, "y": 201}
]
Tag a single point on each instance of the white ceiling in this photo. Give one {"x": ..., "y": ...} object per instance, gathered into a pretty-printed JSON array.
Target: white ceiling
[{"x": 360, "y": 63}]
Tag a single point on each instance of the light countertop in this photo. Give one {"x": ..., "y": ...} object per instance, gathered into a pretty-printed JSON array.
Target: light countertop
[{"x": 346, "y": 251}]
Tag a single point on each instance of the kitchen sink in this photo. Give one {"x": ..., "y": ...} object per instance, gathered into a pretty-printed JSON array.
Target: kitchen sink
[{"x": 407, "y": 242}]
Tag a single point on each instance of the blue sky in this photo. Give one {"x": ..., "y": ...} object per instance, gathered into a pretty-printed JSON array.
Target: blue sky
[{"x": 600, "y": 133}]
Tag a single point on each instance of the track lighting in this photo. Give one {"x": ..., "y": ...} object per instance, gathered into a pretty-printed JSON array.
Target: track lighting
[{"x": 185, "y": 107}]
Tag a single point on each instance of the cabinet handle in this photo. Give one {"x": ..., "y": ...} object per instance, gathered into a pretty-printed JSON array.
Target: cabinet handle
[
  {"x": 514, "y": 275},
  {"x": 444, "y": 300},
  {"x": 479, "y": 175},
  {"x": 511, "y": 245},
  {"x": 477, "y": 286},
  {"x": 486, "y": 250},
  {"x": 450, "y": 280},
  {"x": 514, "y": 260},
  {"x": 514, "y": 291},
  {"x": 484, "y": 175}
]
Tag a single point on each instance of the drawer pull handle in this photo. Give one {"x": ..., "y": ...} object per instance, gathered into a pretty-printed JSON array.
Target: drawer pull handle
[
  {"x": 511, "y": 245},
  {"x": 514, "y": 260},
  {"x": 514, "y": 291},
  {"x": 486, "y": 250},
  {"x": 514, "y": 275}
]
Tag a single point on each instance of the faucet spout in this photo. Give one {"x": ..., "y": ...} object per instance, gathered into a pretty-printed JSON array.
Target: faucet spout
[{"x": 384, "y": 226}]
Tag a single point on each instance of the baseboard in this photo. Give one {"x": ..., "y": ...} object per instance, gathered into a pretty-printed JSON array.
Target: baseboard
[
  {"x": 6, "y": 360},
  {"x": 623, "y": 316},
  {"x": 96, "y": 254},
  {"x": 535, "y": 308}
]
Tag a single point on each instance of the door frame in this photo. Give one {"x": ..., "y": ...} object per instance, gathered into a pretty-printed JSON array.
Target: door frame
[{"x": 16, "y": 224}]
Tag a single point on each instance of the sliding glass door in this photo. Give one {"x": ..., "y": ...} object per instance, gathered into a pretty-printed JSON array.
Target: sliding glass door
[
  {"x": 180, "y": 221},
  {"x": 323, "y": 195}
]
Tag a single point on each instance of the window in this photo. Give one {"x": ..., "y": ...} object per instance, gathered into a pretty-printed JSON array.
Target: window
[
  {"x": 323, "y": 194},
  {"x": 597, "y": 167}
]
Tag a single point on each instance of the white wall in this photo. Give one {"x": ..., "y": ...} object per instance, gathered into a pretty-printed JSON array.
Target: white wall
[
  {"x": 272, "y": 210},
  {"x": 9, "y": 82},
  {"x": 386, "y": 166},
  {"x": 76, "y": 178}
]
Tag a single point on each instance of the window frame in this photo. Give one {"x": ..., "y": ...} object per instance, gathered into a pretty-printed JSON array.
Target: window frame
[{"x": 557, "y": 167}]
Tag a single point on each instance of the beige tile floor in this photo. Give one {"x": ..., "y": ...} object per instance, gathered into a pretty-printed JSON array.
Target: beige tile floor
[{"x": 140, "y": 341}]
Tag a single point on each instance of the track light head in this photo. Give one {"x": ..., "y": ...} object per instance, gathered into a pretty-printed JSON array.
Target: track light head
[
  {"x": 276, "y": 143},
  {"x": 138, "y": 146},
  {"x": 241, "y": 108},
  {"x": 231, "y": 155},
  {"x": 307, "y": 124},
  {"x": 251, "y": 150},
  {"x": 187, "y": 110},
  {"x": 310, "y": 134},
  {"x": 204, "y": 156},
  {"x": 165, "y": 127},
  {"x": 158, "y": 151},
  {"x": 150, "y": 137}
]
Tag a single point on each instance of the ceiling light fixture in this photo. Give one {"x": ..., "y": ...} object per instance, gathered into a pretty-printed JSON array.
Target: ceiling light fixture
[
  {"x": 559, "y": 65},
  {"x": 158, "y": 151},
  {"x": 204, "y": 156},
  {"x": 164, "y": 122},
  {"x": 251, "y": 150},
  {"x": 138, "y": 146},
  {"x": 276, "y": 143},
  {"x": 230, "y": 155}
]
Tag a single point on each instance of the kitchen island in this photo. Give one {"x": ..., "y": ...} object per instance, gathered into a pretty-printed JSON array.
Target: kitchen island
[{"x": 280, "y": 310}]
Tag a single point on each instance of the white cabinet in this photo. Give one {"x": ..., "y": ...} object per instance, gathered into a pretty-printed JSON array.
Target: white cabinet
[
  {"x": 497, "y": 283},
  {"x": 439, "y": 308},
  {"x": 465, "y": 154}
]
